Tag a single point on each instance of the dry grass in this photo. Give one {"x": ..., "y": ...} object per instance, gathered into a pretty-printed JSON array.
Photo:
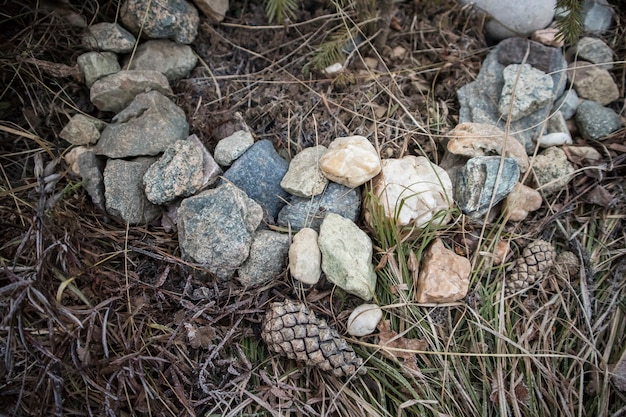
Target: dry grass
[{"x": 99, "y": 318}]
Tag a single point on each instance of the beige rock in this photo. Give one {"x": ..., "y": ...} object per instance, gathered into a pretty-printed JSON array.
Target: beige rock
[
  {"x": 582, "y": 154},
  {"x": 552, "y": 171},
  {"x": 304, "y": 177},
  {"x": 413, "y": 190},
  {"x": 520, "y": 201},
  {"x": 215, "y": 9},
  {"x": 444, "y": 276},
  {"x": 479, "y": 139},
  {"x": 305, "y": 257},
  {"x": 592, "y": 82},
  {"x": 548, "y": 37},
  {"x": 82, "y": 130},
  {"x": 364, "y": 319},
  {"x": 350, "y": 161},
  {"x": 72, "y": 158}
]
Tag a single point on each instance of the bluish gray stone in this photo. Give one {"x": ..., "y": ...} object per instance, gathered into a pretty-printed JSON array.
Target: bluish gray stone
[
  {"x": 167, "y": 19},
  {"x": 598, "y": 16},
  {"x": 258, "y": 173},
  {"x": 567, "y": 103},
  {"x": 595, "y": 121},
  {"x": 268, "y": 256},
  {"x": 477, "y": 183},
  {"x": 526, "y": 89},
  {"x": 310, "y": 212}
]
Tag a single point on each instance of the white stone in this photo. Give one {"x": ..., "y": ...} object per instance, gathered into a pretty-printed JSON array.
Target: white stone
[
  {"x": 334, "y": 69},
  {"x": 305, "y": 258},
  {"x": 232, "y": 147},
  {"x": 364, "y": 319},
  {"x": 304, "y": 177},
  {"x": 444, "y": 276},
  {"x": 413, "y": 189},
  {"x": 555, "y": 139},
  {"x": 350, "y": 161}
]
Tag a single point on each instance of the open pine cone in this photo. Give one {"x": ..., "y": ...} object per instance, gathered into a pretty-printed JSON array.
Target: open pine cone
[
  {"x": 292, "y": 330},
  {"x": 532, "y": 265}
]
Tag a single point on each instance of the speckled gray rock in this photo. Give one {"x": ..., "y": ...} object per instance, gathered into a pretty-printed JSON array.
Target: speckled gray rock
[
  {"x": 593, "y": 50},
  {"x": 168, "y": 19},
  {"x": 232, "y": 147},
  {"x": 108, "y": 37},
  {"x": 147, "y": 126},
  {"x": 347, "y": 256},
  {"x": 476, "y": 185},
  {"x": 595, "y": 121},
  {"x": 171, "y": 59},
  {"x": 123, "y": 190},
  {"x": 567, "y": 103},
  {"x": 216, "y": 228},
  {"x": 552, "y": 171},
  {"x": 310, "y": 212},
  {"x": 90, "y": 168},
  {"x": 95, "y": 65},
  {"x": 525, "y": 90},
  {"x": 258, "y": 173},
  {"x": 592, "y": 82},
  {"x": 304, "y": 177},
  {"x": 82, "y": 130},
  {"x": 267, "y": 260},
  {"x": 114, "y": 92}
]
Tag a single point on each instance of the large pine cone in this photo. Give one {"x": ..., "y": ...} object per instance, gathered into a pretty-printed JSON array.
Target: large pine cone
[
  {"x": 532, "y": 265},
  {"x": 291, "y": 330}
]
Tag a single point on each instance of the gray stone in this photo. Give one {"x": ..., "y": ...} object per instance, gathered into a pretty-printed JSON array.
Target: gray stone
[
  {"x": 123, "y": 190},
  {"x": 171, "y": 59},
  {"x": 232, "y": 147},
  {"x": 258, "y": 173},
  {"x": 215, "y": 9},
  {"x": 95, "y": 65},
  {"x": 525, "y": 90},
  {"x": 304, "y": 177},
  {"x": 90, "y": 168},
  {"x": 216, "y": 228},
  {"x": 310, "y": 212},
  {"x": 147, "y": 126},
  {"x": 595, "y": 121},
  {"x": 593, "y": 50},
  {"x": 305, "y": 258},
  {"x": 114, "y": 92},
  {"x": 169, "y": 19},
  {"x": 108, "y": 37},
  {"x": 592, "y": 82},
  {"x": 82, "y": 130},
  {"x": 476, "y": 186},
  {"x": 267, "y": 260},
  {"x": 598, "y": 16},
  {"x": 558, "y": 124},
  {"x": 552, "y": 171},
  {"x": 347, "y": 256},
  {"x": 567, "y": 103}
]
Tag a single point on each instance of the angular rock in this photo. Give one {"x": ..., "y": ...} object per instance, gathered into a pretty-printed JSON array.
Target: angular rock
[
  {"x": 96, "y": 65},
  {"x": 216, "y": 227},
  {"x": 552, "y": 171},
  {"x": 567, "y": 103},
  {"x": 215, "y": 9},
  {"x": 558, "y": 124},
  {"x": 172, "y": 19},
  {"x": 108, "y": 37},
  {"x": 413, "y": 190},
  {"x": 347, "y": 256},
  {"x": 525, "y": 90},
  {"x": 147, "y": 126},
  {"x": 350, "y": 161},
  {"x": 520, "y": 201},
  {"x": 595, "y": 121},
  {"x": 171, "y": 59},
  {"x": 114, "y": 92},
  {"x": 582, "y": 154},
  {"x": 268, "y": 254},
  {"x": 301, "y": 212},
  {"x": 304, "y": 177},
  {"x": 123, "y": 190},
  {"x": 592, "y": 82},
  {"x": 592, "y": 50},
  {"x": 305, "y": 257},
  {"x": 258, "y": 173},
  {"x": 364, "y": 319},
  {"x": 598, "y": 16},
  {"x": 85, "y": 163},
  {"x": 444, "y": 276},
  {"x": 232, "y": 147},
  {"x": 477, "y": 139},
  {"x": 479, "y": 181},
  {"x": 548, "y": 37},
  {"x": 82, "y": 130}
]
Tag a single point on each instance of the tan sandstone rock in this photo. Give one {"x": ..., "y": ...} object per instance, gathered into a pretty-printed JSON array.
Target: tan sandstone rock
[
  {"x": 520, "y": 201},
  {"x": 305, "y": 257},
  {"x": 444, "y": 276}
]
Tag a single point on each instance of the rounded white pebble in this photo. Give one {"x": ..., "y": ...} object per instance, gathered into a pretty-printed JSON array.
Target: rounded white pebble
[
  {"x": 364, "y": 319},
  {"x": 555, "y": 139}
]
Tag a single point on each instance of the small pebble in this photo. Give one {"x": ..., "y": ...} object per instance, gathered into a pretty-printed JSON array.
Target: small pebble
[{"x": 364, "y": 319}]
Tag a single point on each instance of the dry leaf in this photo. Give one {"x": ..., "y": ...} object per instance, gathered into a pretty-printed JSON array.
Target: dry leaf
[
  {"x": 397, "y": 347},
  {"x": 200, "y": 336}
]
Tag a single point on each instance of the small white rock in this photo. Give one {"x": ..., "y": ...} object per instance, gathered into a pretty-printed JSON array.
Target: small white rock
[
  {"x": 334, "y": 69},
  {"x": 364, "y": 319},
  {"x": 350, "y": 161},
  {"x": 555, "y": 139},
  {"x": 305, "y": 257}
]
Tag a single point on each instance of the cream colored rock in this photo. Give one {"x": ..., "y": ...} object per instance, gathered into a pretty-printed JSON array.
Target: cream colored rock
[
  {"x": 364, "y": 319},
  {"x": 413, "y": 190},
  {"x": 350, "y": 161},
  {"x": 548, "y": 37},
  {"x": 444, "y": 276},
  {"x": 305, "y": 257},
  {"x": 72, "y": 158},
  {"x": 215, "y": 9},
  {"x": 304, "y": 177},
  {"x": 480, "y": 139},
  {"x": 520, "y": 201}
]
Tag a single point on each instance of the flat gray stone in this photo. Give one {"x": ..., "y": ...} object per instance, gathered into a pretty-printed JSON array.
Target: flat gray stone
[
  {"x": 147, "y": 126},
  {"x": 172, "y": 19},
  {"x": 171, "y": 59},
  {"x": 525, "y": 90},
  {"x": 114, "y": 92},
  {"x": 82, "y": 130},
  {"x": 593, "y": 50},
  {"x": 108, "y": 37},
  {"x": 232, "y": 147},
  {"x": 96, "y": 65},
  {"x": 567, "y": 103},
  {"x": 595, "y": 121},
  {"x": 597, "y": 16},
  {"x": 267, "y": 260}
]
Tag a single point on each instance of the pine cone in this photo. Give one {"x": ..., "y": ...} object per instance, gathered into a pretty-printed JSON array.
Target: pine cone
[
  {"x": 291, "y": 330},
  {"x": 534, "y": 262}
]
